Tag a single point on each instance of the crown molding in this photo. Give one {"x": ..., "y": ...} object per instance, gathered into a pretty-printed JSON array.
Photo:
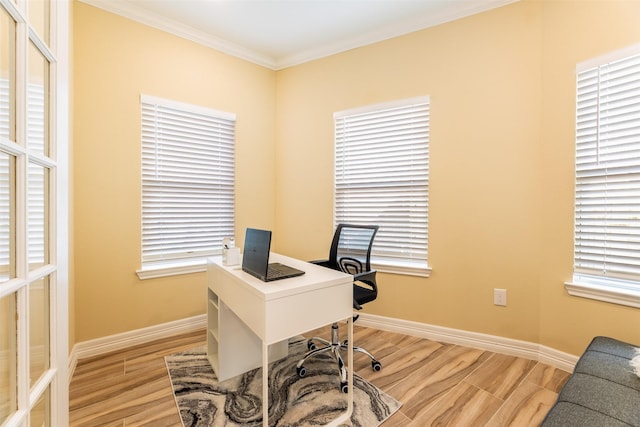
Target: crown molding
[
  {"x": 457, "y": 10},
  {"x": 142, "y": 16}
]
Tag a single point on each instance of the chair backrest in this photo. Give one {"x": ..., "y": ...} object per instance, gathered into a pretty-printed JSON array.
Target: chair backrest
[{"x": 351, "y": 248}]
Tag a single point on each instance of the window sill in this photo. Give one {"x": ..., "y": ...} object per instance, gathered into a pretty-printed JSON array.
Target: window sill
[
  {"x": 175, "y": 268},
  {"x": 407, "y": 269},
  {"x": 602, "y": 292}
]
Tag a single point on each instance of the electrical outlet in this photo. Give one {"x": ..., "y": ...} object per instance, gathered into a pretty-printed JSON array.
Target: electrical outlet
[{"x": 500, "y": 297}]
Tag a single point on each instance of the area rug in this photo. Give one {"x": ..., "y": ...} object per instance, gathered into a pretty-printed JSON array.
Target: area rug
[{"x": 313, "y": 400}]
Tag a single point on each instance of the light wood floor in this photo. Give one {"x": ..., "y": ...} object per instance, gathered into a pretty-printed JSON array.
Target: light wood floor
[{"x": 438, "y": 384}]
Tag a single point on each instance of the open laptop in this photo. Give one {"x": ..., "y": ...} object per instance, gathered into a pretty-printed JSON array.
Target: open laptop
[{"x": 255, "y": 260}]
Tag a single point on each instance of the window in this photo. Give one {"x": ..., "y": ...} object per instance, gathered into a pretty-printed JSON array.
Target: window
[
  {"x": 187, "y": 185},
  {"x": 382, "y": 177},
  {"x": 607, "y": 197}
]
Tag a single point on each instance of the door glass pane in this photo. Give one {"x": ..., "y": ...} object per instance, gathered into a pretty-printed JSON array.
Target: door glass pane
[
  {"x": 7, "y": 76},
  {"x": 39, "y": 11},
  {"x": 38, "y": 328},
  {"x": 7, "y": 217},
  {"x": 41, "y": 413},
  {"x": 37, "y": 216},
  {"x": 7, "y": 357},
  {"x": 37, "y": 102}
]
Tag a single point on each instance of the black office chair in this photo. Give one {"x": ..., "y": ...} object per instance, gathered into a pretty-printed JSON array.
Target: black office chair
[{"x": 351, "y": 253}]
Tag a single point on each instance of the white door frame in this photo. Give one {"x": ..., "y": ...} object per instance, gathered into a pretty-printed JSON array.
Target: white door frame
[{"x": 55, "y": 378}]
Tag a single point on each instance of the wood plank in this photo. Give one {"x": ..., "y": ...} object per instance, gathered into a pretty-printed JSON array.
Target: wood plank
[{"x": 440, "y": 384}]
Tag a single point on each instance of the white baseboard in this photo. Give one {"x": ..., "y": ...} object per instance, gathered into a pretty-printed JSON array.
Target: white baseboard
[
  {"x": 128, "y": 339},
  {"x": 497, "y": 344},
  {"x": 512, "y": 347}
]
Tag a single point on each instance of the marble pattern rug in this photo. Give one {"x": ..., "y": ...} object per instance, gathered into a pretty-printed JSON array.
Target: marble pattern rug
[{"x": 293, "y": 401}]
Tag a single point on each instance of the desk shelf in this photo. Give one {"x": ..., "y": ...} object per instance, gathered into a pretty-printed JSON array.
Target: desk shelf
[
  {"x": 213, "y": 335},
  {"x": 213, "y": 320},
  {"x": 232, "y": 347},
  {"x": 249, "y": 322}
]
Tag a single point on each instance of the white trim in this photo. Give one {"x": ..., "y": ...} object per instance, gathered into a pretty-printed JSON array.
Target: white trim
[
  {"x": 192, "y": 108},
  {"x": 371, "y": 108},
  {"x": 406, "y": 270},
  {"x": 608, "y": 57},
  {"x": 175, "y": 268},
  {"x": 508, "y": 346},
  {"x": 130, "y": 11},
  {"x": 611, "y": 294},
  {"x": 73, "y": 362},
  {"x": 39, "y": 44},
  {"x": 128, "y": 339},
  {"x": 557, "y": 358},
  {"x": 60, "y": 120},
  {"x": 11, "y": 147}
]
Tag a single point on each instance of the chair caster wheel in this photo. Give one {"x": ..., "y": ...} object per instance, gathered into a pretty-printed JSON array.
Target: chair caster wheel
[
  {"x": 302, "y": 371},
  {"x": 311, "y": 345},
  {"x": 375, "y": 365},
  {"x": 344, "y": 387}
]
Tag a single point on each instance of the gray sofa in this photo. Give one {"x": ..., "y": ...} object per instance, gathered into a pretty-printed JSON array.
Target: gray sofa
[{"x": 603, "y": 390}]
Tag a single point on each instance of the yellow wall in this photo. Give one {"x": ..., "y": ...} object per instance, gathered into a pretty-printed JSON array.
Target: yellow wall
[
  {"x": 574, "y": 32},
  {"x": 483, "y": 77},
  {"x": 501, "y": 180},
  {"x": 115, "y": 60}
]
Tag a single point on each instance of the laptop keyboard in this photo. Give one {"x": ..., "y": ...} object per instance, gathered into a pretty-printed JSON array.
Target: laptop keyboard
[{"x": 274, "y": 271}]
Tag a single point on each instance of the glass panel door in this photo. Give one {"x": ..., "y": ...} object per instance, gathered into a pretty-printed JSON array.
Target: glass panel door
[
  {"x": 33, "y": 266},
  {"x": 8, "y": 363},
  {"x": 39, "y": 18},
  {"x": 38, "y": 329},
  {"x": 7, "y": 76},
  {"x": 8, "y": 326},
  {"x": 7, "y": 217}
]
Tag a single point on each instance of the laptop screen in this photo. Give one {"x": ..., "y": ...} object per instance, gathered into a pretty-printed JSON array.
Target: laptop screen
[{"x": 255, "y": 258}]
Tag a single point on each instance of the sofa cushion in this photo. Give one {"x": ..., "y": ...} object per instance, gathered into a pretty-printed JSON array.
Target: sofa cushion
[
  {"x": 569, "y": 414},
  {"x": 603, "y": 389}
]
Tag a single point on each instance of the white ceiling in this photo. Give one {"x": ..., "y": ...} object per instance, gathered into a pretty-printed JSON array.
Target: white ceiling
[{"x": 281, "y": 33}]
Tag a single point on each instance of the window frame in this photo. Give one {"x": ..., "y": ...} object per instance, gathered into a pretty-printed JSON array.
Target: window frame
[
  {"x": 154, "y": 264},
  {"x": 387, "y": 256},
  {"x": 591, "y": 281}
]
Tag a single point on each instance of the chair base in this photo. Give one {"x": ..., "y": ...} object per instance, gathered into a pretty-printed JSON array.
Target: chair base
[{"x": 334, "y": 346}]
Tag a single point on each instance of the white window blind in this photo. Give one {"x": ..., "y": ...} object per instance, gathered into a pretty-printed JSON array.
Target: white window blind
[
  {"x": 382, "y": 178},
  {"x": 607, "y": 203},
  {"x": 187, "y": 180},
  {"x": 36, "y": 191},
  {"x": 37, "y": 178}
]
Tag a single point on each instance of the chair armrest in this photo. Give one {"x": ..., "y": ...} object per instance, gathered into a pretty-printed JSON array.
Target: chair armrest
[
  {"x": 367, "y": 277},
  {"x": 321, "y": 262}
]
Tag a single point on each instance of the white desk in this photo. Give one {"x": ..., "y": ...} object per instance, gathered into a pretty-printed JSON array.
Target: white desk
[{"x": 249, "y": 321}]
